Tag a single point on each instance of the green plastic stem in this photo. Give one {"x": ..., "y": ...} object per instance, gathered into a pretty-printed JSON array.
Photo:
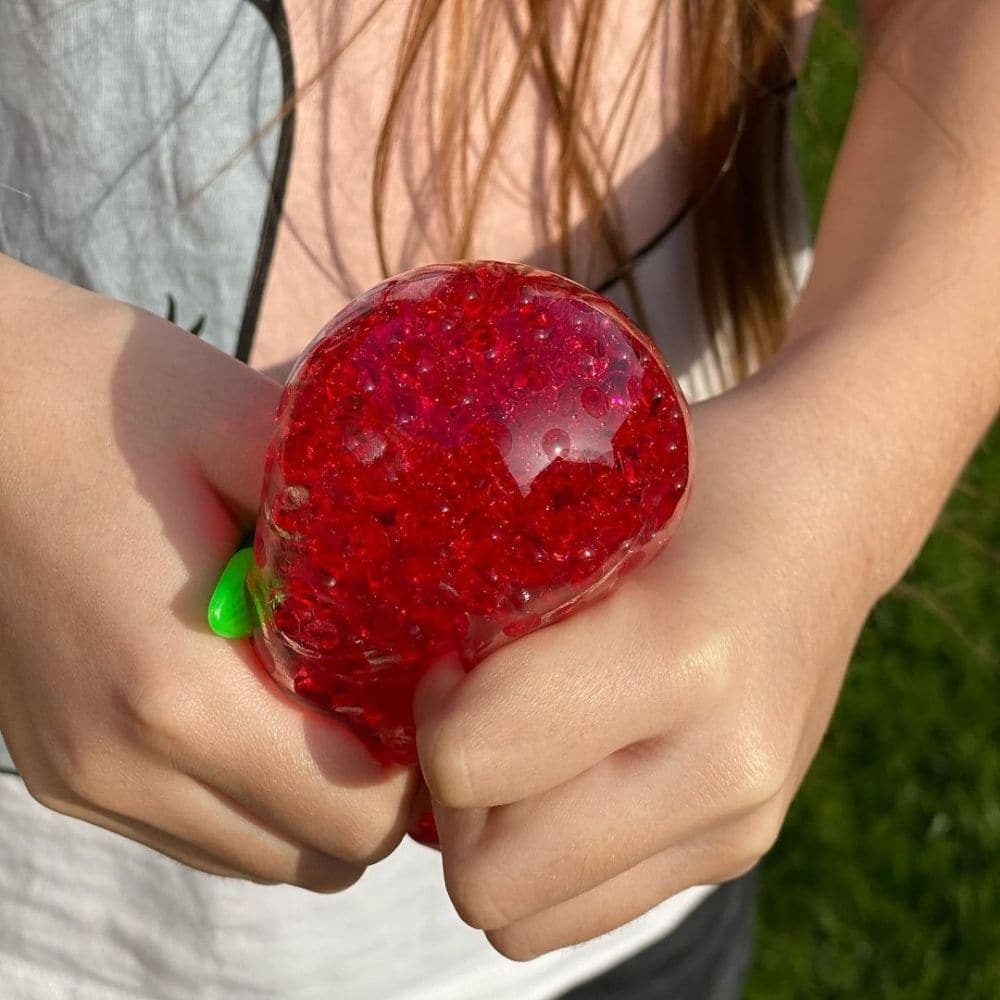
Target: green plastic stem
[{"x": 230, "y": 614}]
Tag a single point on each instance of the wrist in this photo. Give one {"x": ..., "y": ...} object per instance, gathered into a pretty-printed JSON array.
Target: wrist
[
  {"x": 764, "y": 453},
  {"x": 887, "y": 423}
]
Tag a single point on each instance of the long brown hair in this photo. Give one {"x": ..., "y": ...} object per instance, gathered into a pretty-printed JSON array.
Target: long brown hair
[{"x": 737, "y": 68}]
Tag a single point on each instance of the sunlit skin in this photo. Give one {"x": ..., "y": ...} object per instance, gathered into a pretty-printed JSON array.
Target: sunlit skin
[{"x": 686, "y": 707}]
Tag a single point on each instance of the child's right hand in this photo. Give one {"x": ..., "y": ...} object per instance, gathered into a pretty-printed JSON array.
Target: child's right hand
[{"x": 130, "y": 463}]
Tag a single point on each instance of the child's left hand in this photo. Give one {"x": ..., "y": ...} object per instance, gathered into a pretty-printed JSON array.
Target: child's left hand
[{"x": 654, "y": 741}]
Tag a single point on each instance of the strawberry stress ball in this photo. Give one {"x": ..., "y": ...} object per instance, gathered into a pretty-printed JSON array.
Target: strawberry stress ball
[{"x": 466, "y": 453}]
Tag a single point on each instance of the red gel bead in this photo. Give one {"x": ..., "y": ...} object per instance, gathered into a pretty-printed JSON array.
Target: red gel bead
[
  {"x": 595, "y": 402},
  {"x": 465, "y": 454}
]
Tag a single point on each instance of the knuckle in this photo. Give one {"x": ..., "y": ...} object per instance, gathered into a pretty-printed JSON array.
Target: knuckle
[
  {"x": 355, "y": 850},
  {"x": 154, "y": 715},
  {"x": 753, "y": 840},
  {"x": 517, "y": 945},
  {"x": 474, "y": 897},
  {"x": 320, "y": 874},
  {"x": 370, "y": 851},
  {"x": 735, "y": 868},
  {"x": 82, "y": 774},
  {"x": 83, "y": 782},
  {"x": 760, "y": 841},
  {"x": 705, "y": 676},
  {"x": 41, "y": 779},
  {"x": 757, "y": 772},
  {"x": 709, "y": 673},
  {"x": 46, "y": 795},
  {"x": 371, "y": 838}
]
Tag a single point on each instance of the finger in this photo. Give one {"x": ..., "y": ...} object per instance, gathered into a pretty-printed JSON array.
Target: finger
[
  {"x": 200, "y": 830},
  {"x": 534, "y": 854},
  {"x": 552, "y": 704},
  {"x": 208, "y": 818},
  {"x": 236, "y": 423},
  {"x": 158, "y": 841},
  {"x": 616, "y": 902},
  {"x": 296, "y": 769}
]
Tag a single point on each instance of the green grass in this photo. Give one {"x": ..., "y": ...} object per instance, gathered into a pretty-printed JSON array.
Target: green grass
[{"x": 886, "y": 880}]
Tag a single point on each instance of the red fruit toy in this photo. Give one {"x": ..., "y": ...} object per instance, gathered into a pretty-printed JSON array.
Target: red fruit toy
[{"x": 464, "y": 454}]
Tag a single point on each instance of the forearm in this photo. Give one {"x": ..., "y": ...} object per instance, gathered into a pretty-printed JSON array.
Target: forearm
[{"x": 894, "y": 349}]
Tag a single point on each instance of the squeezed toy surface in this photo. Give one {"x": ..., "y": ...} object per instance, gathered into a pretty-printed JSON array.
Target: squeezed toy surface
[{"x": 463, "y": 455}]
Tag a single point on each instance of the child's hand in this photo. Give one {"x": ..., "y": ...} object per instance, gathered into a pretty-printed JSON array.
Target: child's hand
[
  {"x": 130, "y": 457},
  {"x": 654, "y": 742}
]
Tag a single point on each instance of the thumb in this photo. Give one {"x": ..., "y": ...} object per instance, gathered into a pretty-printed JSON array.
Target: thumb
[
  {"x": 231, "y": 439},
  {"x": 431, "y": 700}
]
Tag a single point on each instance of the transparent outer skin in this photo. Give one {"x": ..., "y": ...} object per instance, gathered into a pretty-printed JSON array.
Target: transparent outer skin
[{"x": 466, "y": 453}]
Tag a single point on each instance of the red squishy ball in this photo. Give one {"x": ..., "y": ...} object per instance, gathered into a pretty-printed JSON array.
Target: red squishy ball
[{"x": 464, "y": 454}]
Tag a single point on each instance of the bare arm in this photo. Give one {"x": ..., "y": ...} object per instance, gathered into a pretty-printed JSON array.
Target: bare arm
[
  {"x": 690, "y": 704},
  {"x": 896, "y": 342}
]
